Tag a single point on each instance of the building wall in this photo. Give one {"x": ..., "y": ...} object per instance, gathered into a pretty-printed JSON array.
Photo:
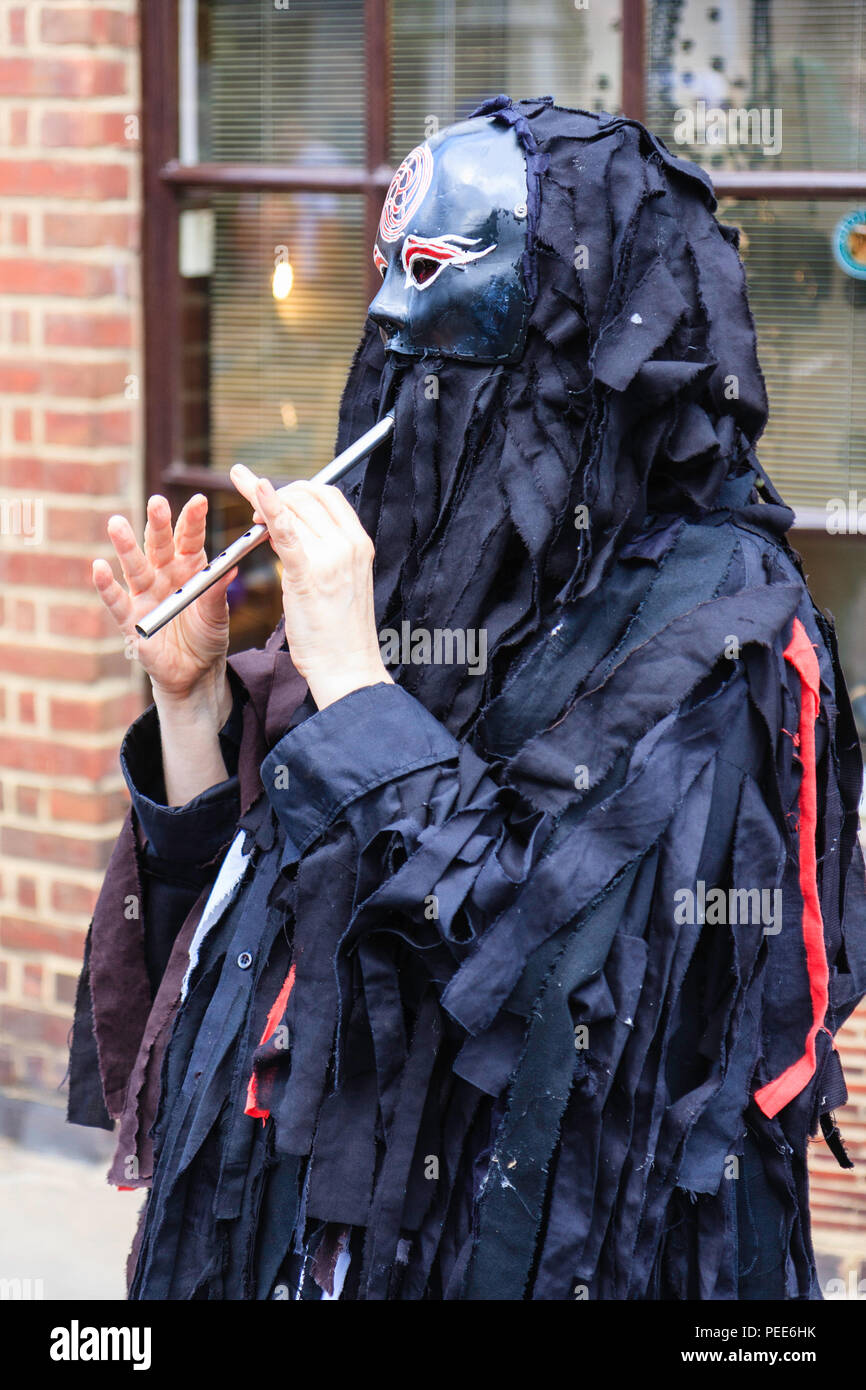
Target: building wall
[
  {"x": 70, "y": 455},
  {"x": 838, "y": 1197}
]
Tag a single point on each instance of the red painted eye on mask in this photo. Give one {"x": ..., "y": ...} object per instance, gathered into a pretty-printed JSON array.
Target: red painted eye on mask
[
  {"x": 379, "y": 261},
  {"x": 424, "y": 258}
]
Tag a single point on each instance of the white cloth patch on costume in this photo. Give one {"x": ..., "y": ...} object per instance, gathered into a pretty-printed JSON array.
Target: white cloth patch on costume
[
  {"x": 341, "y": 1269},
  {"x": 230, "y": 874}
]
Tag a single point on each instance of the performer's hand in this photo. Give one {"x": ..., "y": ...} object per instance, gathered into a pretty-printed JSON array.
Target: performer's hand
[
  {"x": 188, "y": 655},
  {"x": 327, "y": 560}
]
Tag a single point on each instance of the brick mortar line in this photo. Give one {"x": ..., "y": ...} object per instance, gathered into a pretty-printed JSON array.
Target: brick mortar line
[
  {"x": 65, "y": 355},
  {"x": 37, "y": 47},
  {"x": 45, "y": 681},
  {"x": 72, "y": 454},
  {"x": 72, "y": 785},
  {"x": 31, "y": 918},
  {"x": 75, "y": 307},
  {"x": 70, "y": 922},
  {"x": 73, "y": 304},
  {"x": 73, "y": 201},
  {"x": 73, "y": 874},
  {"x": 79, "y": 743},
  {"x": 68, "y": 405},
  {"x": 99, "y": 646},
  {"x": 68, "y": 453},
  {"x": 72, "y": 782},
  {"x": 24, "y": 733},
  {"x": 25, "y": 729},
  {"x": 74, "y": 402},
  {"x": 47, "y": 641},
  {"x": 61, "y": 873},
  {"x": 91, "y": 207},
  {"x": 110, "y": 742},
  {"x": 113, "y": 687},
  {"x": 68, "y": 550},
  {"x": 65, "y": 921},
  {"x": 57, "y": 499},
  {"x": 58, "y": 642},
  {"x": 105, "y": 833},
  {"x": 11, "y": 906},
  {"x": 60, "y": 254},
  {"x": 103, "y": 104},
  {"x": 64, "y": 352},
  {"x": 128, "y": 154},
  {"x": 42, "y": 50},
  {"x": 76, "y": 782},
  {"x": 44, "y": 642}
]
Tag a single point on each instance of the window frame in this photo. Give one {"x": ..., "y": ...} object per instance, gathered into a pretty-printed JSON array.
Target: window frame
[{"x": 165, "y": 181}]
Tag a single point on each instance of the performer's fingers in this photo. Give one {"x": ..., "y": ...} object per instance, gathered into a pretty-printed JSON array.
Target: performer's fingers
[
  {"x": 246, "y": 482},
  {"x": 189, "y": 531},
  {"x": 332, "y": 501},
  {"x": 286, "y": 532},
  {"x": 158, "y": 535},
  {"x": 114, "y": 596},
  {"x": 301, "y": 501},
  {"x": 212, "y": 602},
  {"x": 137, "y": 569},
  {"x": 294, "y": 494},
  {"x": 289, "y": 533}
]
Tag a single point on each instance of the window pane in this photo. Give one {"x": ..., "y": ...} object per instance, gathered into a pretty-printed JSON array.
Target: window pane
[
  {"x": 282, "y": 309},
  {"x": 272, "y": 85},
  {"x": 800, "y": 63},
  {"x": 811, "y": 345},
  {"x": 449, "y": 55},
  {"x": 836, "y": 571},
  {"x": 269, "y": 328}
]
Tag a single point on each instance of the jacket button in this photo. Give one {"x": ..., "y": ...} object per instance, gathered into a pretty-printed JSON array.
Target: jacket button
[{"x": 245, "y": 960}]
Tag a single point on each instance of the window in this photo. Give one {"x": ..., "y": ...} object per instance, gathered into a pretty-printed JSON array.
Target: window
[{"x": 788, "y": 164}]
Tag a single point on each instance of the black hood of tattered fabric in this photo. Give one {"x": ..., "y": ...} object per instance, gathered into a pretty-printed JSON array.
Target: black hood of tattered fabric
[{"x": 639, "y": 395}]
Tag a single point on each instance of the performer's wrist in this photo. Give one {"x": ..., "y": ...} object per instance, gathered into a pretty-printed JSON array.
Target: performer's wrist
[
  {"x": 328, "y": 687},
  {"x": 208, "y": 699}
]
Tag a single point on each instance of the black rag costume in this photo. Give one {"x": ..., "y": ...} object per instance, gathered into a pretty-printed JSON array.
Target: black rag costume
[{"x": 447, "y": 1026}]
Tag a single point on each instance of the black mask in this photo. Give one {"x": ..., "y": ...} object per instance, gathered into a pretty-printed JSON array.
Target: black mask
[{"x": 450, "y": 245}]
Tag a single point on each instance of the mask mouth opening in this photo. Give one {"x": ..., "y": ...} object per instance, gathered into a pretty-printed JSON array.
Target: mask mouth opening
[{"x": 389, "y": 329}]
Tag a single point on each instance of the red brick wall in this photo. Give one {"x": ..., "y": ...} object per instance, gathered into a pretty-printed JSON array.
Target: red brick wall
[{"x": 70, "y": 455}]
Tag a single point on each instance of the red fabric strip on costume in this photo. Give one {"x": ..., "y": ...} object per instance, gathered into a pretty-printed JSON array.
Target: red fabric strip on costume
[
  {"x": 278, "y": 1008},
  {"x": 778, "y": 1093}
]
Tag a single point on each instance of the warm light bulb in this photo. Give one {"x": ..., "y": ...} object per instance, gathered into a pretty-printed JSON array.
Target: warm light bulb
[{"x": 284, "y": 278}]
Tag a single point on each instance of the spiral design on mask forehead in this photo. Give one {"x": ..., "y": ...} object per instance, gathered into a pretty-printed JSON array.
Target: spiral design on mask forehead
[{"x": 407, "y": 191}]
